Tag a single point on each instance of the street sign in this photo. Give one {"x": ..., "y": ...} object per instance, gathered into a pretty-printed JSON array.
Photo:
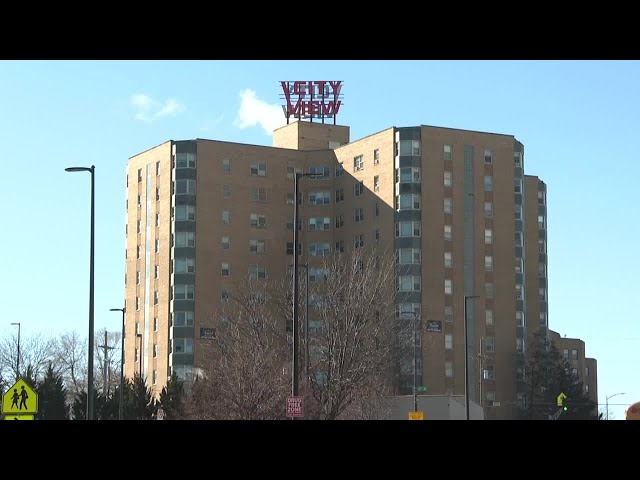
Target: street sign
[
  {"x": 18, "y": 417},
  {"x": 416, "y": 415},
  {"x": 433, "y": 326},
  {"x": 560, "y": 399},
  {"x": 421, "y": 388},
  {"x": 294, "y": 406},
  {"x": 20, "y": 399}
]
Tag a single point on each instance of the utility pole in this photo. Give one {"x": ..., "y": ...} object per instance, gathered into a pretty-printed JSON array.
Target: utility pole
[{"x": 106, "y": 363}]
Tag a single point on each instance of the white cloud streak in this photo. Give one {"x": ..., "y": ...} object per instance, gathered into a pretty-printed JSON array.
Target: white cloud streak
[
  {"x": 254, "y": 111},
  {"x": 148, "y": 109}
]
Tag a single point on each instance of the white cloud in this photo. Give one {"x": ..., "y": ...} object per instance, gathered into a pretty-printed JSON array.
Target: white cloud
[
  {"x": 212, "y": 124},
  {"x": 149, "y": 109},
  {"x": 254, "y": 111}
]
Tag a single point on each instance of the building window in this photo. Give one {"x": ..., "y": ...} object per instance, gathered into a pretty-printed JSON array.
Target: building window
[
  {"x": 376, "y": 183},
  {"x": 517, "y": 212},
  {"x": 319, "y": 224},
  {"x": 377, "y": 234},
  {"x": 137, "y": 303},
  {"x": 448, "y": 369},
  {"x": 339, "y": 170},
  {"x": 185, "y": 265},
  {"x": 447, "y": 152},
  {"x": 488, "y": 183},
  {"x": 155, "y": 351},
  {"x": 226, "y": 217},
  {"x": 157, "y": 219},
  {"x": 489, "y": 344},
  {"x": 340, "y": 246},
  {"x": 258, "y": 170},
  {"x": 543, "y": 319},
  {"x": 339, "y": 195},
  {"x": 408, "y": 175},
  {"x": 409, "y": 283},
  {"x": 257, "y": 221},
  {"x": 318, "y": 275},
  {"x": 291, "y": 171},
  {"x": 408, "y": 229},
  {"x": 376, "y": 156},
  {"x": 541, "y": 222},
  {"x": 226, "y": 243},
  {"x": 448, "y": 235},
  {"x": 520, "y": 345},
  {"x": 586, "y": 372},
  {"x": 409, "y": 147},
  {"x": 156, "y": 271},
  {"x": 257, "y": 246},
  {"x": 257, "y": 272},
  {"x": 448, "y": 287},
  {"x": 226, "y": 191},
  {"x": 488, "y": 290},
  {"x": 138, "y": 251},
  {"x": 542, "y": 294},
  {"x": 137, "y": 356},
  {"x": 185, "y": 239},
  {"x": 182, "y": 319},
  {"x": 185, "y": 187},
  {"x": 448, "y": 341},
  {"x": 377, "y": 209},
  {"x": 574, "y": 354},
  {"x": 518, "y": 239},
  {"x": 185, "y": 212},
  {"x": 488, "y": 317},
  {"x": 448, "y": 259},
  {"x": 488, "y": 263},
  {"x": 138, "y": 226},
  {"x": 358, "y": 188},
  {"x": 157, "y": 246},
  {"x": 226, "y": 270},
  {"x": 226, "y": 165},
  {"x": 488, "y": 236},
  {"x": 319, "y": 198},
  {"x": 517, "y": 185},
  {"x": 447, "y": 205},
  {"x": 447, "y": 179},
  {"x": 358, "y": 163},
  {"x": 183, "y": 292},
  {"x": 186, "y": 160},
  {"x": 408, "y": 256},
  {"x": 358, "y": 241},
  {"x": 139, "y": 175},
  {"x": 339, "y": 221},
  {"x": 488, "y": 157},
  {"x": 519, "y": 318},
  {"x": 321, "y": 172},
  {"x": 448, "y": 313},
  {"x": 319, "y": 249},
  {"x": 490, "y": 372},
  {"x": 358, "y": 215},
  {"x": 541, "y": 199},
  {"x": 519, "y": 292},
  {"x": 408, "y": 201},
  {"x": 517, "y": 159},
  {"x": 138, "y": 278},
  {"x": 157, "y": 168},
  {"x": 258, "y": 194},
  {"x": 488, "y": 210}
]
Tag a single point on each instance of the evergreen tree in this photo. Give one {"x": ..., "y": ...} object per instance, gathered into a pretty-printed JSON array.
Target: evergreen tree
[
  {"x": 51, "y": 397},
  {"x": 171, "y": 398},
  {"x": 138, "y": 404},
  {"x": 547, "y": 374}
]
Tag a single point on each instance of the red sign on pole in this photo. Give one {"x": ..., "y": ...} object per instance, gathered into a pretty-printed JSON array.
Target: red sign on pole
[{"x": 294, "y": 406}]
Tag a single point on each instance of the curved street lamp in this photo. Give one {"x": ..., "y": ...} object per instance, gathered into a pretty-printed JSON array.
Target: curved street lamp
[{"x": 607, "y": 401}]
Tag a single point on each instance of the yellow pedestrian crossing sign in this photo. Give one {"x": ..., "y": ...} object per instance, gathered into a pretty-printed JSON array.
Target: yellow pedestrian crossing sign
[
  {"x": 18, "y": 417},
  {"x": 20, "y": 399}
]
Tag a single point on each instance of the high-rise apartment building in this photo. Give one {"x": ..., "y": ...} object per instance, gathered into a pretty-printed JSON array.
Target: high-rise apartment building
[{"x": 453, "y": 205}]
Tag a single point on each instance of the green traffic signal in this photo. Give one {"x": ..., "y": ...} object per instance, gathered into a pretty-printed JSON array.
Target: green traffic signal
[{"x": 565, "y": 408}]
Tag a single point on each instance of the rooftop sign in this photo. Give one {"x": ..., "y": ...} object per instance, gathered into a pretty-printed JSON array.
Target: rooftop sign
[{"x": 311, "y": 99}]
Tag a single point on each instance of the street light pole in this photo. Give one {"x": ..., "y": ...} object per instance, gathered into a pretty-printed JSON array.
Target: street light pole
[
  {"x": 121, "y": 404},
  {"x": 294, "y": 329},
  {"x": 18, "y": 357},
  {"x": 415, "y": 357},
  {"x": 92, "y": 170},
  {"x": 466, "y": 357},
  {"x": 607, "y": 401}
]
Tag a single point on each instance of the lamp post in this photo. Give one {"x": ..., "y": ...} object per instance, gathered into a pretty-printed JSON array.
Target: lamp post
[
  {"x": 415, "y": 358},
  {"x": 607, "y": 401},
  {"x": 294, "y": 329},
  {"x": 121, "y": 404},
  {"x": 18, "y": 357},
  {"x": 466, "y": 357},
  {"x": 91, "y": 170}
]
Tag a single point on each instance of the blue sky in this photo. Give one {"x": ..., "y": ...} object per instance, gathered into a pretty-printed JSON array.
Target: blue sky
[{"x": 578, "y": 120}]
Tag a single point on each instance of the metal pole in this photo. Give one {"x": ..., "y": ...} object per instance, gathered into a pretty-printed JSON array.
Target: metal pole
[
  {"x": 607, "y": 401},
  {"x": 294, "y": 328},
  {"x": 18, "y": 357},
  {"x": 306, "y": 328},
  {"x": 92, "y": 170},
  {"x": 121, "y": 403}
]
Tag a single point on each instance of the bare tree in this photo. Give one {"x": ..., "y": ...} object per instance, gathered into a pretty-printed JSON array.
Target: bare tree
[
  {"x": 243, "y": 376},
  {"x": 35, "y": 353},
  {"x": 110, "y": 372},
  {"x": 71, "y": 358},
  {"x": 354, "y": 335}
]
